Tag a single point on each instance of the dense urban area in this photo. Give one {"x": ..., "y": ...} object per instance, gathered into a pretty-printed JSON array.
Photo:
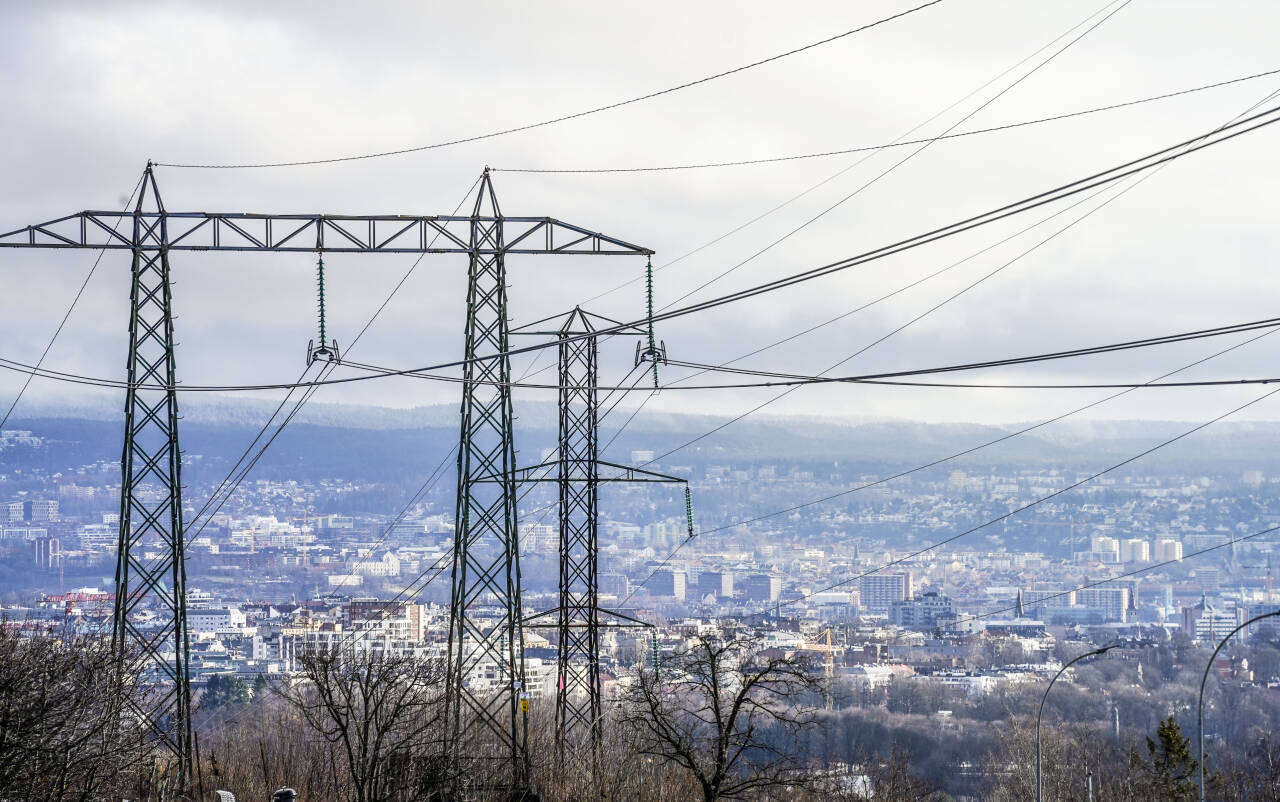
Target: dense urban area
[{"x": 912, "y": 649}]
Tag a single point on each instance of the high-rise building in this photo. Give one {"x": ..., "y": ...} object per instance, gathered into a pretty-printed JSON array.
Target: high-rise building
[
  {"x": 1042, "y": 597},
  {"x": 12, "y": 513},
  {"x": 1135, "y": 550},
  {"x": 1207, "y": 623},
  {"x": 1107, "y": 548},
  {"x": 880, "y": 591},
  {"x": 1167, "y": 550},
  {"x": 718, "y": 582},
  {"x": 761, "y": 587},
  {"x": 394, "y": 620},
  {"x": 1111, "y": 602},
  {"x": 40, "y": 511},
  {"x": 668, "y": 582}
]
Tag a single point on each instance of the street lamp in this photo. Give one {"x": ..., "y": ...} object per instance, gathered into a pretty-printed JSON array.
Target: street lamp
[
  {"x": 1040, "y": 715},
  {"x": 1200, "y": 705}
]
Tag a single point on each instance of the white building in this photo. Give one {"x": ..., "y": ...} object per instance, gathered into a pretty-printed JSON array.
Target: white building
[
  {"x": 1135, "y": 550},
  {"x": 208, "y": 622},
  {"x": 1168, "y": 550}
]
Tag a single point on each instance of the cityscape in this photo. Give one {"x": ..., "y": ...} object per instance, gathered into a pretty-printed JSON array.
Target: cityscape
[
  {"x": 850, "y": 581},
  {"x": 639, "y": 403}
]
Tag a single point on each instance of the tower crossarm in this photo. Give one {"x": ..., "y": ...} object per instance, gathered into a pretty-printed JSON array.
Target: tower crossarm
[
  {"x": 333, "y": 233},
  {"x": 626, "y": 474}
]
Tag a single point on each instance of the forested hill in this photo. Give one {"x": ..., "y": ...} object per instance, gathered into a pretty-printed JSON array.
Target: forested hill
[{"x": 375, "y": 443}]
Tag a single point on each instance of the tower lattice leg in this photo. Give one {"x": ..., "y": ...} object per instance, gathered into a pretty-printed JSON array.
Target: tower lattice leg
[
  {"x": 150, "y": 570},
  {"x": 578, "y": 706},
  {"x": 486, "y": 723}
]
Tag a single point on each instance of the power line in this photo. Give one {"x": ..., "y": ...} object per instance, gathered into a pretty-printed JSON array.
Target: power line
[
  {"x": 1127, "y": 345},
  {"x": 1190, "y": 146},
  {"x": 1062, "y": 192},
  {"x": 1124, "y": 391},
  {"x": 795, "y": 378},
  {"x": 933, "y": 308},
  {"x": 893, "y": 167},
  {"x": 964, "y": 452},
  {"x": 67, "y": 315},
  {"x": 783, "y": 379},
  {"x": 894, "y": 144},
  {"x": 813, "y": 187},
  {"x": 566, "y": 117},
  {"x": 1099, "y": 179},
  {"x": 1035, "y": 503}
]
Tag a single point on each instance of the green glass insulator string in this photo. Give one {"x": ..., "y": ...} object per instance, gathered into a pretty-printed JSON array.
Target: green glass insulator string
[
  {"x": 320, "y": 289},
  {"x": 653, "y": 346},
  {"x": 688, "y": 509}
]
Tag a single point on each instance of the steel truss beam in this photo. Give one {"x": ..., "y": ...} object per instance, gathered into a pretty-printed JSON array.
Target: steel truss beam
[{"x": 242, "y": 231}]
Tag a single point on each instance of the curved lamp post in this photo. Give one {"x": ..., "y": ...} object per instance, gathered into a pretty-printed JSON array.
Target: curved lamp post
[
  {"x": 1200, "y": 704},
  {"x": 1043, "y": 699}
]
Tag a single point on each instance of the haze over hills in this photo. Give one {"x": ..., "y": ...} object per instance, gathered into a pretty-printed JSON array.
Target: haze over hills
[{"x": 373, "y": 442}]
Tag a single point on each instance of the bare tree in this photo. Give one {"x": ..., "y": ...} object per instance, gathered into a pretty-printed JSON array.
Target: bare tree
[
  {"x": 62, "y": 734},
  {"x": 381, "y": 712},
  {"x": 262, "y": 746},
  {"x": 725, "y": 713}
]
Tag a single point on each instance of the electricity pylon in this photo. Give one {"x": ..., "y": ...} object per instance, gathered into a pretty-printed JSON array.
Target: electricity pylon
[
  {"x": 578, "y": 477},
  {"x": 151, "y": 490},
  {"x": 151, "y": 493}
]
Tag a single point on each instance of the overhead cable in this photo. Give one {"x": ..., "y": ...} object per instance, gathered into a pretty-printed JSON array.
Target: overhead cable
[
  {"x": 898, "y": 143},
  {"x": 783, "y": 379},
  {"x": 957, "y": 455},
  {"x": 67, "y": 315},
  {"x": 1102, "y": 178},
  {"x": 562, "y": 118},
  {"x": 1036, "y": 502}
]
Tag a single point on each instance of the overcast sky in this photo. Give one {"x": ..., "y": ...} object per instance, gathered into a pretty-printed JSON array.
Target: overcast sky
[{"x": 94, "y": 90}]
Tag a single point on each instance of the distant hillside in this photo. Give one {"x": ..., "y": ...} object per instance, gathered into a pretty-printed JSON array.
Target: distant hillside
[{"x": 328, "y": 440}]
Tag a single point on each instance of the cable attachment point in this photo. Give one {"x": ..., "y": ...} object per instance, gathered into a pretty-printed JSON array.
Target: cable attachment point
[
  {"x": 655, "y": 351},
  {"x": 326, "y": 351}
]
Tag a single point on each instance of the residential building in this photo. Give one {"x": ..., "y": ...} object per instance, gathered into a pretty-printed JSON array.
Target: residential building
[{"x": 880, "y": 591}]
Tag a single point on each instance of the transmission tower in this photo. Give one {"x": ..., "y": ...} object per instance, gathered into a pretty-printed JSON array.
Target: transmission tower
[
  {"x": 578, "y": 651},
  {"x": 578, "y": 478},
  {"x": 150, "y": 570},
  {"x": 149, "y": 558},
  {"x": 485, "y": 624},
  {"x": 488, "y": 719}
]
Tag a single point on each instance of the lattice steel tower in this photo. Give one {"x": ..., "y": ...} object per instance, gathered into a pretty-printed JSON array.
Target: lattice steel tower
[
  {"x": 485, "y": 621},
  {"x": 579, "y": 617},
  {"x": 487, "y": 700},
  {"x": 578, "y": 653},
  {"x": 151, "y": 488}
]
